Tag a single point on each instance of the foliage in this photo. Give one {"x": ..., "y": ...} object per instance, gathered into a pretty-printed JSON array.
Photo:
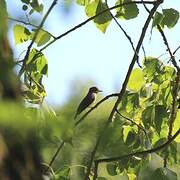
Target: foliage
[{"x": 147, "y": 115}]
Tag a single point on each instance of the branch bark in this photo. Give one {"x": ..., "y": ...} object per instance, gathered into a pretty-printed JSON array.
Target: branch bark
[{"x": 122, "y": 91}]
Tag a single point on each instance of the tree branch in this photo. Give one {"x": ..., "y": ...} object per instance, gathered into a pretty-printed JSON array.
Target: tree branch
[
  {"x": 135, "y": 153},
  {"x": 94, "y": 107},
  {"x": 76, "y": 123},
  {"x": 127, "y": 36},
  {"x": 122, "y": 91},
  {"x": 35, "y": 35},
  {"x": 54, "y": 157},
  {"x": 168, "y": 48},
  {"x": 133, "y": 122},
  {"x": 175, "y": 51},
  {"x": 30, "y": 24},
  {"x": 93, "y": 17}
]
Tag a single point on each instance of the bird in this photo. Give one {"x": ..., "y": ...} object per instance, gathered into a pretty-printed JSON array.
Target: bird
[{"x": 88, "y": 100}]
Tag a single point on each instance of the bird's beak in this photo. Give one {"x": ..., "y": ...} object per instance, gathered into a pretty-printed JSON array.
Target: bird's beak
[{"x": 99, "y": 90}]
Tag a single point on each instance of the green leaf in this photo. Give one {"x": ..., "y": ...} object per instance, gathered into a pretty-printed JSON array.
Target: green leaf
[
  {"x": 130, "y": 102},
  {"x": 102, "y": 21},
  {"x": 152, "y": 67},
  {"x": 21, "y": 34},
  {"x": 177, "y": 125},
  {"x": 42, "y": 38},
  {"x": 25, "y": 1},
  {"x": 147, "y": 169},
  {"x": 148, "y": 116},
  {"x": 136, "y": 80},
  {"x": 37, "y": 63},
  {"x": 111, "y": 169},
  {"x": 63, "y": 174},
  {"x": 164, "y": 174},
  {"x": 82, "y": 2},
  {"x": 105, "y": 17},
  {"x": 161, "y": 115},
  {"x": 158, "y": 17},
  {"x": 36, "y": 6},
  {"x": 128, "y": 11},
  {"x": 171, "y": 17}
]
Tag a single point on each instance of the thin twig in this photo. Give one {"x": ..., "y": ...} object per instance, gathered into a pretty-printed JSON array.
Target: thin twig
[
  {"x": 144, "y": 52},
  {"x": 173, "y": 110},
  {"x": 175, "y": 51},
  {"x": 30, "y": 24},
  {"x": 133, "y": 122},
  {"x": 79, "y": 121},
  {"x": 168, "y": 48},
  {"x": 54, "y": 157},
  {"x": 127, "y": 36},
  {"x": 112, "y": 159},
  {"x": 122, "y": 91},
  {"x": 94, "y": 107},
  {"x": 175, "y": 89},
  {"x": 93, "y": 17},
  {"x": 36, "y": 34}
]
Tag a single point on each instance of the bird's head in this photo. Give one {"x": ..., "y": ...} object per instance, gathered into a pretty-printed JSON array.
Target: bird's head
[{"x": 94, "y": 90}]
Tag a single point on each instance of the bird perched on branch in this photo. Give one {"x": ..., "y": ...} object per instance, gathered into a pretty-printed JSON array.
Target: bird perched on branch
[{"x": 88, "y": 100}]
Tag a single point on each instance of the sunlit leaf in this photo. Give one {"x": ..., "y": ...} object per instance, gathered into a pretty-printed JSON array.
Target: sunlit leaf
[
  {"x": 37, "y": 62},
  {"x": 136, "y": 80},
  {"x": 177, "y": 125},
  {"x": 152, "y": 68},
  {"x": 130, "y": 102},
  {"x": 95, "y": 7},
  {"x": 82, "y": 2},
  {"x": 42, "y": 38},
  {"x": 21, "y": 34}
]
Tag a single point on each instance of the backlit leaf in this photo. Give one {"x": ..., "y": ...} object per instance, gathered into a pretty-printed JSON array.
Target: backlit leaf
[
  {"x": 42, "y": 38},
  {"x": 136, "y": 80},
  {"x": 95, "y": 7},
  {"x": 21, "y": 34}
]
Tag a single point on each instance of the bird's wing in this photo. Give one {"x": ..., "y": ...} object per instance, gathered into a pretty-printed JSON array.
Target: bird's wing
[{"x": 84, "y": 104}]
